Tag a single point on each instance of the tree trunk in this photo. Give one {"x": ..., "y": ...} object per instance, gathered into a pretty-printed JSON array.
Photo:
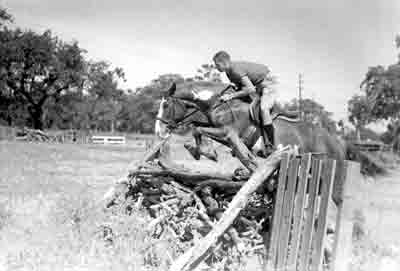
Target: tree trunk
[
  {"x": 358, "y": 133},
  {"x": 9, "y": 120},
  {"x": 37, "y": 118},
  {"x": 112, "y": 126}
]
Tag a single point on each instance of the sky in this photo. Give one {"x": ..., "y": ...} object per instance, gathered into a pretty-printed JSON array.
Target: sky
[{"x": 331, "y": 43}]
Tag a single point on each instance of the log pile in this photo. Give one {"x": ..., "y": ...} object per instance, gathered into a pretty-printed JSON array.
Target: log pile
[
  {"x": 33, "y": 135},
  {"x": 231, "y": 210}
]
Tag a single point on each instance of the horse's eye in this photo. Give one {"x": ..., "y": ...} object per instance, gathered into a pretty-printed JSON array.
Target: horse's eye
[{"x": 165, "y": 105}]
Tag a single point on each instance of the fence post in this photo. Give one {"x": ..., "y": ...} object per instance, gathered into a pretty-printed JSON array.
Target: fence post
[{"x": 344, "y": 219}]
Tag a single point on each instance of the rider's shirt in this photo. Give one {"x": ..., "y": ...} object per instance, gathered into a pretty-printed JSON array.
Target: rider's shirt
[{"x": 256, "y": 72}]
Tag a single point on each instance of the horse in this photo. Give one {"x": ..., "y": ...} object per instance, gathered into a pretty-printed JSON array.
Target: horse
[{"x": 198, "y": 103}]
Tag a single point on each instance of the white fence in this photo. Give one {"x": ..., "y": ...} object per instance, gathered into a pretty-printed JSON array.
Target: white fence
[{"x": 116, "y": 140}]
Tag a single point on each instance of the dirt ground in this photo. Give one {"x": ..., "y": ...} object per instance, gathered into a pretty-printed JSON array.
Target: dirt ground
[{"x": 47, "y": 220}]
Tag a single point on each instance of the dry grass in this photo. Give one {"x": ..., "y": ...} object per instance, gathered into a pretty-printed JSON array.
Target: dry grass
[
  {"x": 376, "y": 232},
  {"x": 49, "y": 219},
  {"x": 47, "y": 208},
  {"x": 48, "y": 214}
]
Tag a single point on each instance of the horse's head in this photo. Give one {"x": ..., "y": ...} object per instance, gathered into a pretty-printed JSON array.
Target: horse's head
[
  {"x": 172, "y": 111},
  {"x": 190, "y": 103}
]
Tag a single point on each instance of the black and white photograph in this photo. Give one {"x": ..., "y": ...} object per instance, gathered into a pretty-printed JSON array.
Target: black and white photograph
[{"x": 199, "y": 135}]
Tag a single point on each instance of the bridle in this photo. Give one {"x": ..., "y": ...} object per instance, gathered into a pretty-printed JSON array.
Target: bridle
[{"x": 174, "y": 124}]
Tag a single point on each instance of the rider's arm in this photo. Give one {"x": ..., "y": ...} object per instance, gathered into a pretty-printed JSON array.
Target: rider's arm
[{"x": 247, "y": 88}]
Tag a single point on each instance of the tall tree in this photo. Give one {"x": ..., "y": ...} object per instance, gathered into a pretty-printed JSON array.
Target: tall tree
[
  {"x": 360, "y": 113},
  {"x": 104, "y": 95},
  {"x": 140, "y": 109},
  {"x": 38, "y": 67},
  {"x": 6, "y": 98},
  {"x": 382, "y": 90},
  {"x": 96, "y": 105}
]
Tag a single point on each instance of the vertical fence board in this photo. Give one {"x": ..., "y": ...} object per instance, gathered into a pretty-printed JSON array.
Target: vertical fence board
[
  {"x": 344, "y": 223},
  {"x": 306, "y": 239},
  {"x": 320, "y": 232},
  {"x": 283, "y": 246},
  {"x": 276, "y": 219},
  {"x": 299, "y": 209}
]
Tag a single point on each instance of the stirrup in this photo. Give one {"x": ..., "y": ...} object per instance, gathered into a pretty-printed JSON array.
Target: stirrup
[
  {"x": 269, "y": 149},
  {"x": 266, "y": 151}
]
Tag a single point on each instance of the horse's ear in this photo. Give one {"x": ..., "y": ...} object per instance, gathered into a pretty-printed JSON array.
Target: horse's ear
[{"x": 172, "y": 89}]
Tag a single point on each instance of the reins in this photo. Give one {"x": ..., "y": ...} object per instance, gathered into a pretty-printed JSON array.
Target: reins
[{"x": 175, "y": 124}]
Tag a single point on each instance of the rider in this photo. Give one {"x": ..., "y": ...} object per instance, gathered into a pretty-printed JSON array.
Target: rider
[{"x": 250, "y": 78}]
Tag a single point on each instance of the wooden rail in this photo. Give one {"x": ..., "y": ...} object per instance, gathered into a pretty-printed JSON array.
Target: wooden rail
[
  {"x": 115, "y": 140},
  {"x": 300, "y": 219},
  {"x": 193, "y": 257}
]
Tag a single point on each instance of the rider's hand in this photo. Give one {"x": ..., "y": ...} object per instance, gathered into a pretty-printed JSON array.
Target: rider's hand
[
  {"x": 233, "y": 86},
  {"x": 226, "y": 97}
]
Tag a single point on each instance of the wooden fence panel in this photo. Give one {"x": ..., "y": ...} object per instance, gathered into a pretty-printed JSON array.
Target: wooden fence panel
[
  {"x": 283, "y": 246},
  {"x": 300, "y": 215},
  {"x": 273, "y": 244},
  {"x": 299, "y": 209},
  {"x": 309, "y": 214},
  {"x": 321, "y": 222},
  {"x": 344, "y": 223}
]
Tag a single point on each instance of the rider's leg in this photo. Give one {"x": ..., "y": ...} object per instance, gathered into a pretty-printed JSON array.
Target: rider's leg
[{"x": 267, "y": 101}]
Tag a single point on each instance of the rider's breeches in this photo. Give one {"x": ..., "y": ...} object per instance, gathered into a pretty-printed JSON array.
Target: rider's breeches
[{"x": 268, "y": 98}]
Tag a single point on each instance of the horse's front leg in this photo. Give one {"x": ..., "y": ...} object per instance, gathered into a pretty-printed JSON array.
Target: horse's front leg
[
  {"x": 231, "y": 138},
  {"x": 199, "y": 148}
]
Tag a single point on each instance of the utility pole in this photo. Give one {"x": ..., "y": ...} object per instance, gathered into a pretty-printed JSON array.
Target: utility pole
[
  {"x": 314, "y": 114},
  {"x": 300, "y": 93}
]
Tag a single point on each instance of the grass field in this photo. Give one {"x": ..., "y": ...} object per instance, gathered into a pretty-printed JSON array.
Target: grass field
[
  {"x": 48, "y": 218},
  {"x": 46, "y": 198}
]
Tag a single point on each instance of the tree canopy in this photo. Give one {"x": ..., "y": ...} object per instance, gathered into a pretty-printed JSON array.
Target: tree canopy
[
  {"x": 380, "y": 97},
  {"x": 37, "y": 67},
  {"x": 381, "y": 87},
  {"x": 46, "y": 82}
]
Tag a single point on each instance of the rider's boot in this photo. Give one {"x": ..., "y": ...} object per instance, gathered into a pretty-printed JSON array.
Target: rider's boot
[{"x": 268, "y": 137}]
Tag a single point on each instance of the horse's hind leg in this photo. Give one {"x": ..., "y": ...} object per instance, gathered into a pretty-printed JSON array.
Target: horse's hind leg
[{"x": 231, "y": 137}]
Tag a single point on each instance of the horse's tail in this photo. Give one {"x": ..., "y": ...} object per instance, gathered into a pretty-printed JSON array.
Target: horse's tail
[{"x": 370, "y": 165}]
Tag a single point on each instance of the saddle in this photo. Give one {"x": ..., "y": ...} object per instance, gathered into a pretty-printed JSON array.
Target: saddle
[{"x": 255, "y": 113}]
